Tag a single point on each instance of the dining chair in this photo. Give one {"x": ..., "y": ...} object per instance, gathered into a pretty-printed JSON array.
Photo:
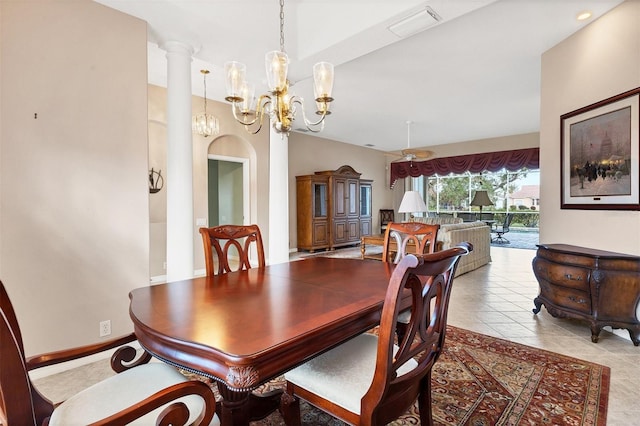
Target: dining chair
[
  {"x": 501, "y": 229},
  {"x": 369, "y": 380},
  {"x": 141, "y": 393},
  {"x": 228, "y": 243},
  {"x": 421, "y": 237},
  {"x": 386, "y": 217}
]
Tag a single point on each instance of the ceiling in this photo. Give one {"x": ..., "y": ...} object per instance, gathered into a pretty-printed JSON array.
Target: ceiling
[{"x": 472, "y": 75}]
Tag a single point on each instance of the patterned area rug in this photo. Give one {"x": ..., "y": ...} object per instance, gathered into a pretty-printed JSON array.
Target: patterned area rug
[{"x": 481, "y": 380}]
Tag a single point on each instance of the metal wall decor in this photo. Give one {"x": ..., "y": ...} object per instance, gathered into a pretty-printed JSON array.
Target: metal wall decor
[{"x": 156, "y": 181}]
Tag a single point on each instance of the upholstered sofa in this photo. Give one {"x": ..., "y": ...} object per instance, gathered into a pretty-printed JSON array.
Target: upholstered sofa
[{"x": 454, "y": 231}]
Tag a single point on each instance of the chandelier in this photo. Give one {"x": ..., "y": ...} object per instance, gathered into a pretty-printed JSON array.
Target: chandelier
[
  {"x": 278, "y": 104},
  {"x": 205, "y": 124}
]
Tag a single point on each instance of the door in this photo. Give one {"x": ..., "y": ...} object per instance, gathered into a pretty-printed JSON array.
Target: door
[{"x": 228, "y": 193}]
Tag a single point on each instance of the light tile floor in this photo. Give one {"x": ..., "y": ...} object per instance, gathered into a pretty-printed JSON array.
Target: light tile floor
[{"x": 497, "y": 300}]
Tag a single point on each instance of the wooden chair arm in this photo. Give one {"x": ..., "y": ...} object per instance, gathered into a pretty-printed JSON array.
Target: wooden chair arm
[
  {"x": 176, "y": 413},
  {"x": 52, "y": 358}
]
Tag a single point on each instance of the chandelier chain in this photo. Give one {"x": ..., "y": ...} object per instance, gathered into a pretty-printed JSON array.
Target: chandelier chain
[
  {"x": 282, "y": 25},
  {"x": 205, "y": 91}
]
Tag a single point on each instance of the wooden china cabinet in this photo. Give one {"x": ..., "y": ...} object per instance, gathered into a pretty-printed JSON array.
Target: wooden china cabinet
[{"x": 333, "y": 209}]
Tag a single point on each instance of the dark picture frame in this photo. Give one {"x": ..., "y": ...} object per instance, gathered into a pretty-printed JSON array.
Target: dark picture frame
[{"x": 599, "y": 151}]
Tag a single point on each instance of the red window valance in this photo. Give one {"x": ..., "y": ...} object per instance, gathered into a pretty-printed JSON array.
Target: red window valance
[{"x": 474, "y": 163}]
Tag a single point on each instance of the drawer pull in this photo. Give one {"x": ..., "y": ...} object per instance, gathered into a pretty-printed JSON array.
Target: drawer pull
[
  {"x": 571, "y": 277},
  {"x": 576, "y": 300}
]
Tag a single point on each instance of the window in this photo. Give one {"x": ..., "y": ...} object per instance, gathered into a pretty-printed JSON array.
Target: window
[{"x": 509, "y": 191}]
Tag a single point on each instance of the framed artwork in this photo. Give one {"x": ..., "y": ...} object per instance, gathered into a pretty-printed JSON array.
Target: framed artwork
[{"x": 599, "y": 149}]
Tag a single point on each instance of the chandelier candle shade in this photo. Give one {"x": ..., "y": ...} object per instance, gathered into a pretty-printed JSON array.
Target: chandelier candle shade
[
  {"x": 205, "y": 124},
  {"x": 278, "y": 104}
]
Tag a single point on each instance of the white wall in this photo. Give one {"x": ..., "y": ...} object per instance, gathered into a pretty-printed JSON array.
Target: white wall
[
  {"x": 600, "y": 61},
  {"x": 74, "y": 236},
  {"x": 503, "y": 143}
]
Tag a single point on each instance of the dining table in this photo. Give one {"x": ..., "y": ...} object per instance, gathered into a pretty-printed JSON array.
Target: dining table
[{"x": 244, "y": 328}]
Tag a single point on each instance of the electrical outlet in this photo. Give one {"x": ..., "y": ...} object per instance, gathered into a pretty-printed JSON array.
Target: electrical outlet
[{"x": 105, "y": 328}]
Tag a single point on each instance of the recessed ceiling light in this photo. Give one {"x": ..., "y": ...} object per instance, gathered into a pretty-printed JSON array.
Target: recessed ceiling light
[{"x": 583, "y": 15}]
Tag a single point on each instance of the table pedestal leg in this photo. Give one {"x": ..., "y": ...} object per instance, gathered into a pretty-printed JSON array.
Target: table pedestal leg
[{"x": 240, "y": 408}]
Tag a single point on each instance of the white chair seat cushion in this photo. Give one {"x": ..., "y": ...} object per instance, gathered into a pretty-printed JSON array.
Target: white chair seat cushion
[
  {"x": 121, "y": 391},
  {"x": 344, "y": 374}
]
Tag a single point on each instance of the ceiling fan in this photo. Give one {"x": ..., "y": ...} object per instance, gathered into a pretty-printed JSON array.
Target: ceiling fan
[{"x": 413, "y": 154}]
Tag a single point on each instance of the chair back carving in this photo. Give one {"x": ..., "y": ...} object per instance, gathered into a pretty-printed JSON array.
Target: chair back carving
[
  {"x": 429, "y": 278},
  {"x": 386, "y": 217},
  {"x": 229, "y": 242},
  {"x": 20, "y": 402},
  {"x": 7, "y": 309},
  {"x": 420, "y": 236}
]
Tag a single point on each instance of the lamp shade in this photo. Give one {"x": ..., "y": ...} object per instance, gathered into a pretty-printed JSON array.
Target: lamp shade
[
  {"x": 412, "y": 202},
  {"x": 481, "y": 198}
]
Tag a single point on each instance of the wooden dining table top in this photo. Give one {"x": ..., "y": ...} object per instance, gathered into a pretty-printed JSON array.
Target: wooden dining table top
[{"x": 247, "y": 327}]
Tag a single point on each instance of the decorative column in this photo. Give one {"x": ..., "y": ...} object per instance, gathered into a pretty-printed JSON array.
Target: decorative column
[
  {"x": 278, "y": 197},
  {"x": 179, "y": 184}
]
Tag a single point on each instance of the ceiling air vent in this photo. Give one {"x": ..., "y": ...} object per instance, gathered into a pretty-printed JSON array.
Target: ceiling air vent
[{"x": 416, "y": 22}]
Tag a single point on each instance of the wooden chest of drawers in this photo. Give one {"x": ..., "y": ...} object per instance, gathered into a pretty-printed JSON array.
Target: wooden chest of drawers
[{"x": 598, "y": 286}]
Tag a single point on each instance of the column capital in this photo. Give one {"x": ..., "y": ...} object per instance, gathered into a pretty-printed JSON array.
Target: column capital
[{"x": 177, "y": 47}]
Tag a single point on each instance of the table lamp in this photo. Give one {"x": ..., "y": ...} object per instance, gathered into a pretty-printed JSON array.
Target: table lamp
[
  {"x": 412, "y": 202},
  {"x": 481, "y": 198}
]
